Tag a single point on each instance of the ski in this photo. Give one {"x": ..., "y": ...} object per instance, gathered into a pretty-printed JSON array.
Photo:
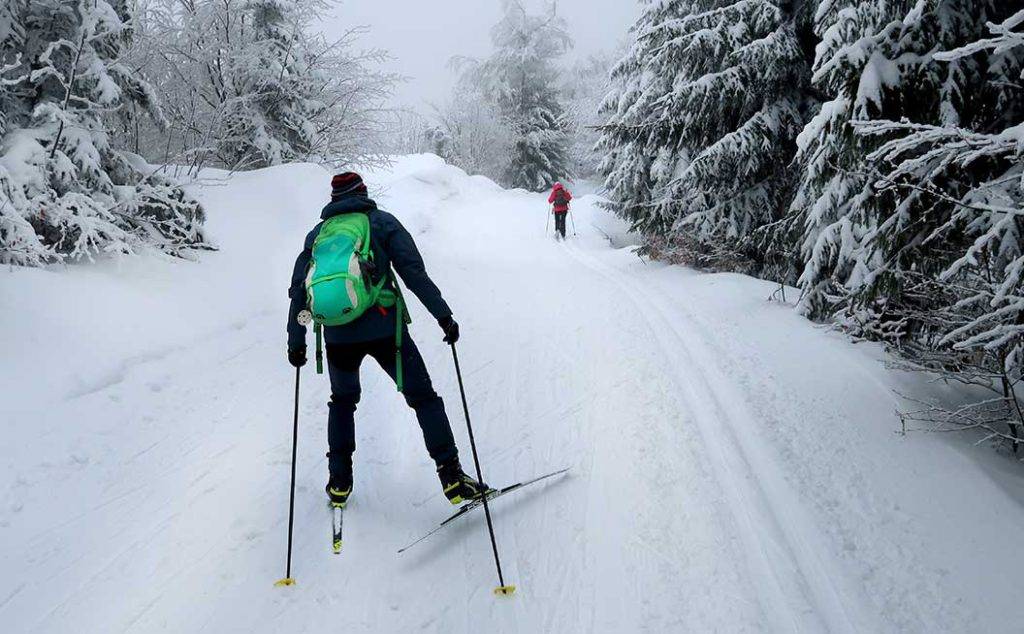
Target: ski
[
  {"x": 477, "y": 503},
  {"x": 336, "y": 517}
]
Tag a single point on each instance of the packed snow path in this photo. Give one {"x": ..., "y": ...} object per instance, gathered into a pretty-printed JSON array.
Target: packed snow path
[{"x": 733, "y": 468}]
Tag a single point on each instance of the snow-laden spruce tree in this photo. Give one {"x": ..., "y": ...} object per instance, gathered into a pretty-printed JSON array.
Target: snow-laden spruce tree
[
  {"x": 252, "y": 83},
  {"x": 65, "y": 191},
  {"x": 521, "y": 80},
  {"x": 958, "y": 181},
  {"x": 875, "y": 61},
  {"x": 702, "y": 125}
]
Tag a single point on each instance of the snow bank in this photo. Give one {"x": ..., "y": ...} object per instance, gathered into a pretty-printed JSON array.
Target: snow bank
[{"x": 76, "y": 329}]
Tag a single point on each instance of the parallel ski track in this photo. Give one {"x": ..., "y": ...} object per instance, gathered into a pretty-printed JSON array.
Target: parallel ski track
[{"x": 803, "y": 589}]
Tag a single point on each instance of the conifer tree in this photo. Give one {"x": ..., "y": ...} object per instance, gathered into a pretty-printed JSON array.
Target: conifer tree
[
  {"x": 702, "y": 125},
  {"x": 876, "y": 61},
  {"x": 65, "y": 191},
  {"x": 959, "y": 259},
  {"x": 521, "y": 80}
]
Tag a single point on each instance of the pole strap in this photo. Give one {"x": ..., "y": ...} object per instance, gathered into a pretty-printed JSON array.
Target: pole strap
[
  {"x": 402, "y": 319},
  {"x": 399, "y": 327},
  {"x": 319, "y": 348}
]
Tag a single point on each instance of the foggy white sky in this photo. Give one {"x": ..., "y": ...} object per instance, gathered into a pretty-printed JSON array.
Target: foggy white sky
[{"x": 422, "y": 35}]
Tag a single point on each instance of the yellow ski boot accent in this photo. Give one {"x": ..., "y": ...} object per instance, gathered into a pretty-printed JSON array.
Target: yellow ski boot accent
[
  {"x": 337, "y": 547},
  {"x": 457, "y": 486},
  {"x": 339, "y": 497},
  {"x": 457, "y": 500}
]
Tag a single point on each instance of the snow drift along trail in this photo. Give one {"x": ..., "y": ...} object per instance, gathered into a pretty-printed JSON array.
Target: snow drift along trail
[{"x": 734, "y": 468}]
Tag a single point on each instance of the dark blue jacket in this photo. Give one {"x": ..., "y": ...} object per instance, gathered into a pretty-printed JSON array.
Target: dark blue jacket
[{"x": 392, "y": 246}]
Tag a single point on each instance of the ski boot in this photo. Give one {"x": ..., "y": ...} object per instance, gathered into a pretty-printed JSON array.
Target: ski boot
[
  {"x": 339, "y": 487},
  {"x": 459, "y": 487}
]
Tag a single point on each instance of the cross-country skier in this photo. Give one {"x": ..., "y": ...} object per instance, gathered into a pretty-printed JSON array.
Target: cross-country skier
[
  {"x": 560, "y": 198},
  {"x": 374, "y": 334}
]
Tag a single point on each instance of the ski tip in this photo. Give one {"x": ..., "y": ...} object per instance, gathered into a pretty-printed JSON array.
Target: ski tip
[
  {"x": 505, "y": 591},
  {"x": 287, "y": 581}
]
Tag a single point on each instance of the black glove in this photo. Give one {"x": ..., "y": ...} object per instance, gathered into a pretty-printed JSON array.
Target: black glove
[
  {"x": 450, "y": 328},
  {"x": 297, "y": 356}
]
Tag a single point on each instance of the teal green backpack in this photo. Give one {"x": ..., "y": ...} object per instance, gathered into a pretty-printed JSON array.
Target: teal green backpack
[{"x": 341, "y": 284}]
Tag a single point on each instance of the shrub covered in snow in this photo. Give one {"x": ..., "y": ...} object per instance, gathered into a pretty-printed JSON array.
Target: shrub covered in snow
[
  {"x": 251, "y": 83},
  {"x": 470, "y": 133},
  {"x": 65, "y": 191}
]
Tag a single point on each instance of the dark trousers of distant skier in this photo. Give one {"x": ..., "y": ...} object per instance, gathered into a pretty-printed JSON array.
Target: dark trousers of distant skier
[
  {"x": 560, "y": 223},
  {"x": 373, "y": 333}
]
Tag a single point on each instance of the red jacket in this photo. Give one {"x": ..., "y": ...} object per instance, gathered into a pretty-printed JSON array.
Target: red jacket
[{"x": 560, "y": 198}]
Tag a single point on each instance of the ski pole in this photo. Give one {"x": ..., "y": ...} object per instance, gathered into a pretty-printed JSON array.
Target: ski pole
[
  {"x": 502, "y": 588},
  {"x": 547, "y": 224},
  {"x": 572, "y": 217},
  {"x": 288, "y": 581}
]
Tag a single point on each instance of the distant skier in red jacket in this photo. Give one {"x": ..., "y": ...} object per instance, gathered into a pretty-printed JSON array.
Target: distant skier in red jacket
[{"x": 560, "y": 198}]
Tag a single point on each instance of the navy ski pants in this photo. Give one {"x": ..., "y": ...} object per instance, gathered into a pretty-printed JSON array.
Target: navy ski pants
[{"x": 343, "y": 361}]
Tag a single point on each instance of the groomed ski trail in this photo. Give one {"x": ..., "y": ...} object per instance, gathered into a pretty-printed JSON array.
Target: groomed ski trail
[
  {"x": 803, "y": 589},
  {"x": 149, "y": 479}
]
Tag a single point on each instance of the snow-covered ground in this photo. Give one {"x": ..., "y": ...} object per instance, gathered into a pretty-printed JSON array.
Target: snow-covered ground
[{"x": 734, "y": 467}]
